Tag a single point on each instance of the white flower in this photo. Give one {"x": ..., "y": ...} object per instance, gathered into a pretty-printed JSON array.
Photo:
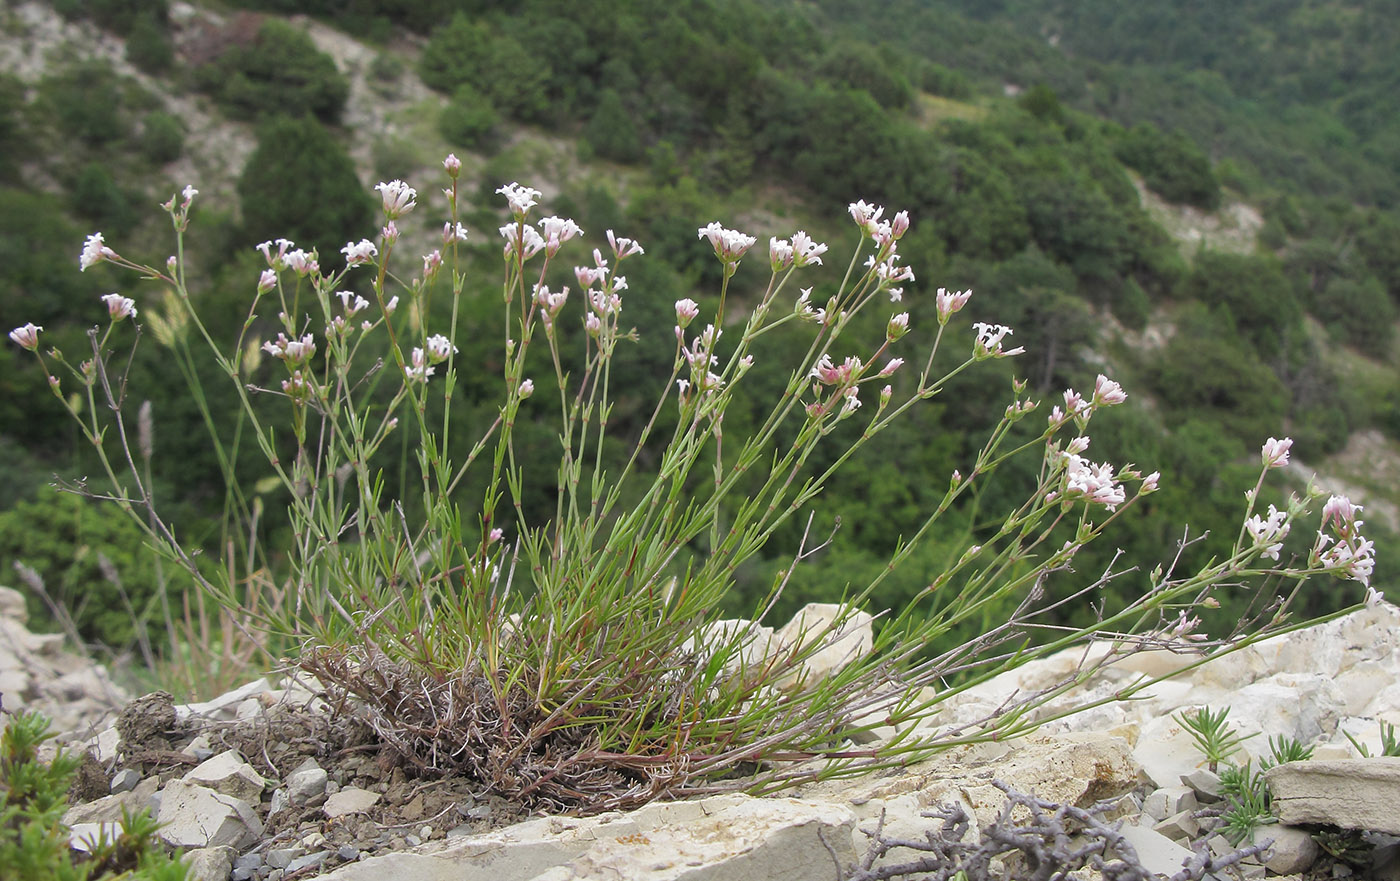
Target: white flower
[
  {"x": 357, "y": 253},
  {"x": 556, "y": 231},
  {"x": 119, "y": 307},
  {"x": 989, "y": 337},
  {"x": 301, "y": 262},
  {"x": 866, "y": 216},
  {"x": 948, "y": 303},
  {"x": 686, "y": 311},
  {"x": 521, "y": 199},
  {"x": 1275, "y": 452},
  {"x": 729, "y": 244},
  {"x": 27, "y": 336},
  {"x": 1107, "y": 392},
  {"x": 94, "y": 251},
  {"x": 439, "y": 347},
  {"x": 1269, "y": 533},
  {"x": 806, "y": 251},
  {"x": 267, "y": 281},
  {"x": 898, "y": 326},
  {"x": 390, "y": 306},
  {"x": 523, "y": 237},
  {"x": 527, "y": 388},
  {"x": 622, "y": 247},
  {"x": 419, "y": 370},
  {"x": 1093, "y": 482},
  {"x": 779, "y": 254},
  {"x": 397, "y": 198},
  {"x": 453, "y": 233}
]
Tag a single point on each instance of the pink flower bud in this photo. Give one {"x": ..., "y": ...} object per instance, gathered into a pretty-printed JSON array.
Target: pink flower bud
[
  {"x": 527, "y": 388},
  {"x": 119, "y": 307},
  {"x": 453, "y": 165},
  {"x": 1275, "y": 452},
  {"x": 686, "y": 310},
  {"x": 397, "y": 198}
]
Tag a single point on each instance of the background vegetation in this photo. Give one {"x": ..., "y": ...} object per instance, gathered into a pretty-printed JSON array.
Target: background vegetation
[{"x": 1017, "y": 134}]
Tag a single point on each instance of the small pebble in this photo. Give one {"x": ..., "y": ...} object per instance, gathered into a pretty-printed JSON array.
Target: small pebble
[
  {"x": 348, "y": 852},
  {"x": 125, "y": 780},
  {"x": 413, "y": 840}
]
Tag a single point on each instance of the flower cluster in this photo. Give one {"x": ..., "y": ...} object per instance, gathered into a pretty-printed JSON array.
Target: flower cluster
[
  {"x": 799, "y": 252},
  {"x": 1107, "y": 393},
  {"x": 988, "y": 342},
  {"x": 1345, "y": 550},
  {"x": 1269, "y": 532},
  {"x": 730, "y": 245},
  {"x": 293, "y": 352}
]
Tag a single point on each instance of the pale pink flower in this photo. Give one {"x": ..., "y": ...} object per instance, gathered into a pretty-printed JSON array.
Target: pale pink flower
[
  {"x": 1342, "y": 513},
  {"x": 828, "y": 373},
  {"x": 357, "y": 253},
  {"x": 622, "y": 247},
  {"x": 556, "y": 231},
  {"x": 779, "y": 254},
  {"x": 1077, "y": 446},
  {"x": 267, "y": 281},
  {"x": 686, "y": 311},
  {"x": 852, "y": 396},
  {"x": 297, "y": 387},
  {"x": 588, "y": 275},
  {"x": 1107, "y": 393},
  {"x": 866, "y": 216},
  {"x": 730, "y": 245},
  {"x": 453, "y": 233},
  {"x": 899, "y": 225},
  {"x": 592, "y": 323},
  {"x": 438, "y": 348},
  {"x": 1092, "y": 482},
  {"x": 527, "y": 388},
  {"x": 396, "y": 197},
  {"x": 390, "y": 232},
  {"x": 950, "y": 302},
  {"x": 291, "y": 351},
  {"x": 431, "y": 264},
  {"x": 494, "y": 535},
  {"x": 521, "y": 199},
  {"x": 94, "y": 251},
  {"x": 1269, "y": 532},
  {"x": 278, "y": 260},
  {"x": 522, "y": 237},
  {"x": 303, "y": 263},
  {"x": 1149, "y": 483},
  {"x": 27, "y": 336},
  {"x": 890, "y": 367},
  {"x": 885, "y": 394},
  {"x": 1357, "y": 562},
  {"x": 453, "y": 165},
  {"x": 1373, "y": 597},
  {"x": 188, "y": 194},
  {"x": 805, "y": 251},
  {"x": 898, "y": 327},
  {"x": 350, "y": 306},
  {"x": 551, "y": 301},
  {"x": 119, "y": 307},
  {"x": 390, "y": 306},
  {"x": 988, "y": 343},
  {"x": 419, "y": 370},
  {"x": 1275, "y": 452}
]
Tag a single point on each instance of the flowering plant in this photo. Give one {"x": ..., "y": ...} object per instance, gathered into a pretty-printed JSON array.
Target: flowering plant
[{"x": 581, "y": 662}]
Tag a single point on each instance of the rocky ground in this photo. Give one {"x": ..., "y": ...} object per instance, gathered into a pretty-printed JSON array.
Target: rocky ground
[{"x": 270, "y": 783}]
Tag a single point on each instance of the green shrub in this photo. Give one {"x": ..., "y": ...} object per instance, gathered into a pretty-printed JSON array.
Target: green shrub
[
  {"x": 300, "y": 184},
  {"x": 148, "y": 45},
  {"x": 611, "y": 133},
  {"x": 280, "y": 72},
  {"x": 162, "y": 137},
  {"x": 34, "y": 843},
  {"x": 1172, "y": 166},
  {"x": 1359, "y": 313},
  {"x": 65, "y": 539},
  {"x": 465, "y": 52},
  {"x": 86, "y": 102},
  {"x": 468, "y": 119},
  {"x": 96, "y": 196}
]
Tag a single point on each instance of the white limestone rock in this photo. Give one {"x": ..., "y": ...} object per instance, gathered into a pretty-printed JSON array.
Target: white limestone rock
[
  {"x": 837, "y": 647},
  {"x": 349, "y": 800},
  {"x": 196, "y": 816},
  {"x": 1350, "y": 793},
  {"x": 229, "y": 774}
]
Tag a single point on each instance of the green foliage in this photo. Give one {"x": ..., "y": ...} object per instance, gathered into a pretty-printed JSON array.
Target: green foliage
[
  {"x": 162, "y": 137},
  {"x": 610, "y": 132},
  {"x": 281, "y": 72},
  {"x": 1219, "y": 378},
  {"x": 466, "y": 52},
  {"x": 1359, "y": 313},
  {"x": 34, "y": 843},
  {"x": 1171, "y": 165},
  {"x": 87, "y": 103},
  {"x": 1390, "y": 743},
  {"x": 300, "y": 184},
  {"x": 1216, "y": 741},
  {"x": 66, "y": 539},
  {"x": 148, "y": 45},
  {"x": 468, "y": 119},
  {"x": 863, "y": 66},
  {"x": 120, "y": 16},
  {"x": 1248, "y": 293},
  {"x": 96, "y": 196}
]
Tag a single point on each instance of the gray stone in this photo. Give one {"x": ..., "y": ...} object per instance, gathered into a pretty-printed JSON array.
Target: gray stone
[
  {"x": 835, "y": 647},
  {"x": 306, "y": 862},
  {"x": 195, "y": 816},
  {"x": 124, "y": 780},
  {"x": 229, "y": 774},
  {"x": 281, "y": 858},
  {"x": 209, "y": 863},
  {"x": 1350, "y": 793},
  {"x": 1205, "y": 783},
  {"x": 307, "y": 784},
  {"x": 348, "y": 852},
  {"x": 1180, "y": 826},
  {"x": 1169, "y": 800},
  {"x": 108, "y": 809},
  {"x": 350, "y": 800},
  {"x": 1157, "y": 852},
  {"x": 1293, "y": 849}
]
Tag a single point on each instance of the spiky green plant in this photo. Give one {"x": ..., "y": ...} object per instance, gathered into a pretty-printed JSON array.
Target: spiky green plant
[{"x": 34, "y": 842}]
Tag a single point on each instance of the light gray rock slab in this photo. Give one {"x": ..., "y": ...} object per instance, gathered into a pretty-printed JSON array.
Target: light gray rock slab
[
  {"x": 1350, "y": 793},
  {"x": 229, "y": 774},
  {"x": 723, "y": 838},
  {"x": 209, "y": 863},
  {"x": 307, "y": 784},
  {"x": 1157, "y": 852},
  {"x": 195, "y": 816},
  {"x": 1293, "y": 850},
  {"x": 349, "y": 800}
]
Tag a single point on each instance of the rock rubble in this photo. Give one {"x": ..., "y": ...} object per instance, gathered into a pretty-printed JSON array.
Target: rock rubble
[{"x": 272, "y": 810}]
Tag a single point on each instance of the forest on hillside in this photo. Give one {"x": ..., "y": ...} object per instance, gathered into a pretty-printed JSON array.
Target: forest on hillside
[{"x": 1014, "y": 133}]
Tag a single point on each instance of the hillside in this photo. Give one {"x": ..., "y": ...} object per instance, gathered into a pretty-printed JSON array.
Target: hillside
[{"x": 1234, "y": 302}]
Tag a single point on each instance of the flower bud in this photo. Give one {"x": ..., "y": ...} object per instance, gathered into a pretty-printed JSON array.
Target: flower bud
[
  {"x": 27, "y": 336},
  {"x": 527, "y": 388},
  {"x": 119, "y": 307},
  {"x": 453, "y": 165}
]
